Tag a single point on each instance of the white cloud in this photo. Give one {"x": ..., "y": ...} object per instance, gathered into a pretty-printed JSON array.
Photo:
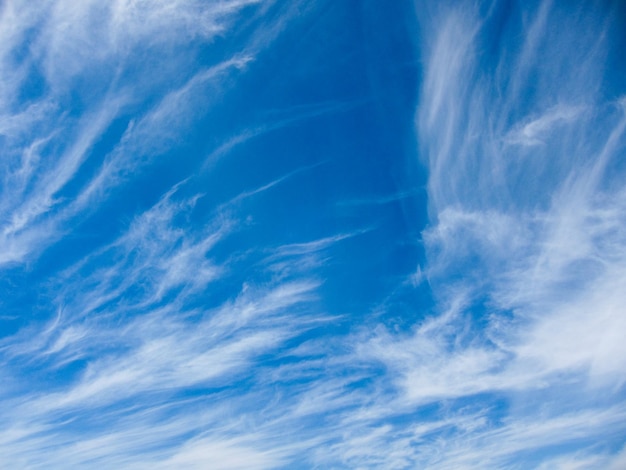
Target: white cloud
[
  {"x": 534, "y": 131},
  {"x": 89, "y": 48},
  {"x": 525, "y": 255}
]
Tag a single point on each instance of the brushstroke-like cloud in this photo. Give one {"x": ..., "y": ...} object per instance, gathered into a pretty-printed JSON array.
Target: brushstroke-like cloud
[{"x": 211, "y": 254}]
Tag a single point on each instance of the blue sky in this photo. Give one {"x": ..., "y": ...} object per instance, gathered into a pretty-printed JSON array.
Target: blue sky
[{"x": 251, "y": 234}]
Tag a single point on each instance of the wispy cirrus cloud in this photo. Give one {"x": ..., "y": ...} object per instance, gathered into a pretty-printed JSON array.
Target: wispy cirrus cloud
[
  {"x": 524, "y": 256},
  {"x": 129, "y": 314},
  {"x": 196, "y": 328},
  {"x": 124, "y": 322},
  {"x": 522, "y": 247},
  {"x": 50, "y": 139}
]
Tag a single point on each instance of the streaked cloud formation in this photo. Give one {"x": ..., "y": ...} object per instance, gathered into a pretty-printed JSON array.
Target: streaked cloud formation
[{"x": 245, "y": 234}]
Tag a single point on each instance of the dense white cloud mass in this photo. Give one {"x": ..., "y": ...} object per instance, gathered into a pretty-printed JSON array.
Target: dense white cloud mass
[{"x": 246, "y": 234}]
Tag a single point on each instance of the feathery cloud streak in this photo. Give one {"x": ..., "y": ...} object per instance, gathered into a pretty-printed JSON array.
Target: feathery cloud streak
[{"x": 212, "y": 253}]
